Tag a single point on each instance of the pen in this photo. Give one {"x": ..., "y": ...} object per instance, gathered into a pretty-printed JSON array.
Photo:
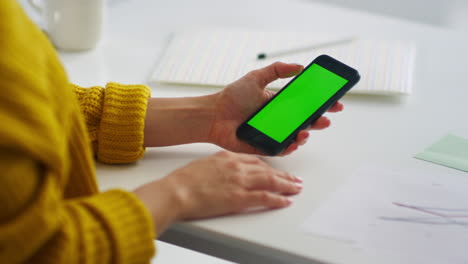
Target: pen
[{"x": 265, "y": 55}]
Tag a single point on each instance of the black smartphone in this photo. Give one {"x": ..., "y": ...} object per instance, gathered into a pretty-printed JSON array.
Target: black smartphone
[{"x": 273, "y": 127}]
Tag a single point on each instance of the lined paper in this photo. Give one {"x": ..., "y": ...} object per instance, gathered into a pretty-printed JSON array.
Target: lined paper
[{"x": 217, "y": 57}]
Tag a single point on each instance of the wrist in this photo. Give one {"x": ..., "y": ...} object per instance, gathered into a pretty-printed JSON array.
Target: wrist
[
  {"x": 204, "y": 109},
  {"x": 173, "y": 121},
  {"x": 159, "y": 201}
]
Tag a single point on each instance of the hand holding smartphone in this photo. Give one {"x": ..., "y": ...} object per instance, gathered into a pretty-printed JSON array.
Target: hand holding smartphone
[{"x": 297, "y": 105}]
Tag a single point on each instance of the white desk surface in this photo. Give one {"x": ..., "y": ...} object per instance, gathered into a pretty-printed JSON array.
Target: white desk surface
[{"x": 371, "y": 129}]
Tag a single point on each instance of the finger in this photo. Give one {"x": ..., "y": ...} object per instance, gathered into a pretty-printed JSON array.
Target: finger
[
  {"x": 289, "y": 177},
  {"x": 275, "y": 71},
  {"x": 337, "y": 107},
  {"x": 262, "y": 178},
  {"x": 290, "y": 149},
  {"x": 302, "y": 137},
  {"x": 321, "y": 123},
  {"x": 266, "y": 199}
]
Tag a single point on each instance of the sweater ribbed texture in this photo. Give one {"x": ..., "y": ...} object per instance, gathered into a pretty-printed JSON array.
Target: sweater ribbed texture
[
  {"x": 116, "y": 124},
  {"x": 121, "y": 131}
]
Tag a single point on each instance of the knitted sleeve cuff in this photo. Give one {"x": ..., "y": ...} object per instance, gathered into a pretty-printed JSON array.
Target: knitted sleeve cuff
[
  {"x": 91, "y": 102},
  {"x": 129, "y": 225},
  {"x": 121, "y": 131}
]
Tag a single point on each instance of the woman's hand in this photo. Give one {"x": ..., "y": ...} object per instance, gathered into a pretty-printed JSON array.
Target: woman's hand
[
  {"x": 220, "y": 184},
  {"x": 241, "y": 98},
  {"x": 215, "y": 118}
]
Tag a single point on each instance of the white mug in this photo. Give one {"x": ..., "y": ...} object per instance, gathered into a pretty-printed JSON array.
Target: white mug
[{"x": 72, "y": 25}]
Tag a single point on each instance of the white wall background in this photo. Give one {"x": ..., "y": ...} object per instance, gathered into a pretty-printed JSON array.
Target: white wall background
[{"x": 443, "y": 13}]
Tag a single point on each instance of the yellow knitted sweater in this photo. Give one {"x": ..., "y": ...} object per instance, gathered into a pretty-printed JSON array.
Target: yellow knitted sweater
[{"x": 50, "y": 208}]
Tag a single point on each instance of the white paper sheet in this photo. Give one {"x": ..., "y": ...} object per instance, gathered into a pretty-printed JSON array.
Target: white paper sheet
[
  {"x": 217, "y": 57},
  {"x": 407, "y": 215}
]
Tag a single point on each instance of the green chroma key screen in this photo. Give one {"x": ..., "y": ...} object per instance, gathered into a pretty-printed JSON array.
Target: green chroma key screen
[{"x": 287, "y": 111}]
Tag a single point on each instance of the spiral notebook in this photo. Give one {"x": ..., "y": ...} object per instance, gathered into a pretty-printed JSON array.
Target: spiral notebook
[{"x": 217, "y": 57}]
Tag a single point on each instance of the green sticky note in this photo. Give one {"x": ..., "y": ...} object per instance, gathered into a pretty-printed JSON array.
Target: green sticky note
[{"x": 450, "y": 151}]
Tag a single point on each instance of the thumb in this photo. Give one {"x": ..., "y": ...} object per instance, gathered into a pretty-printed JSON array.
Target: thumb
[{"x": 275, "y": 71}]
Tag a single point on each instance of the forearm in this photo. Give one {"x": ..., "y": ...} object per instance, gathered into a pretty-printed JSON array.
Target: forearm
[{"x": 174, "y": 121}]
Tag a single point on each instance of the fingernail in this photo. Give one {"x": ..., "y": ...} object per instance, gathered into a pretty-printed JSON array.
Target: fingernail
[
  {"x": 288, "y": 200},
  {"x": 298, "y": 179},
  {"x": 298, "y": 185}
]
